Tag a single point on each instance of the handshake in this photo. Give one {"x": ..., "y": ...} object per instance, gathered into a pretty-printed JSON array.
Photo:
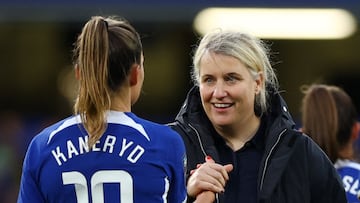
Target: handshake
[{"x": 208, "y": 179}]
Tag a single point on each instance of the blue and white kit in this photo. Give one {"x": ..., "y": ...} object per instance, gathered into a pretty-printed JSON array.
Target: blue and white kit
[
  {"x": 135, "y": 161},
  {"x": 349, "y": 172}
]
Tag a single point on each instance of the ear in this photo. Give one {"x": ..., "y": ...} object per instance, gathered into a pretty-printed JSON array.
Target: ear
[
  {"x": 134, "y": 72},
  {"x": 77, "y": 72},
  {"x": 355, "y": 131},
  {"x": 259, "y": 81}
]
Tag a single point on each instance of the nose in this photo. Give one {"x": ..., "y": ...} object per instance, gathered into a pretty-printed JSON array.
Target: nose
[{"x": 219, "y": 91}]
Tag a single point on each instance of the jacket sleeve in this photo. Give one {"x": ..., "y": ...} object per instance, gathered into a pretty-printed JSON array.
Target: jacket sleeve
[
  {"x": 326, "y": 185},
  {"x": 193, "y": 149}
]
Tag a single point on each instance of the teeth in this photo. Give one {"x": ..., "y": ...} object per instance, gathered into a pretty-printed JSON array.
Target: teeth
[{"x": 222, "y": 105}]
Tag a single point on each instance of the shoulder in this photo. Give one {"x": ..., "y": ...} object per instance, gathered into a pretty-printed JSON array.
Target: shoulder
[
  {"x": 46, "y": 135},
  {"x": 301, "y": 138},
  {"x": 307, "y": 145},
  {"x": 39, "y": 145},
  {"x": 178, "y": 127},
  {"x": 157, "y": 130},
  {"x": 165, "y": 138},
  {"x": 303, "y": 147},
  {"x": 311, "y": 153},
  {"x": 344, "y": 163}
]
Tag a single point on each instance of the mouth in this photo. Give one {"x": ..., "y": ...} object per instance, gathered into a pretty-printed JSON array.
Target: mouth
[{"x": 222, "y": 105}]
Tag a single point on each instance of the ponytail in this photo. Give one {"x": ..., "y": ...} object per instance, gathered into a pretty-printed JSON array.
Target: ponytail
[
  {"x": 104, "y": 53},
  {"x": 93, "y": 97}
]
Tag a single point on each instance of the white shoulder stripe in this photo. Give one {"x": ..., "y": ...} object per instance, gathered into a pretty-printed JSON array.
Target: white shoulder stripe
[
  {"x": 67, "y": 123},
  {"x": 341, "y": 163},
  {"x": 113, "y": 117},
  {"x": 122, "y": 118}
]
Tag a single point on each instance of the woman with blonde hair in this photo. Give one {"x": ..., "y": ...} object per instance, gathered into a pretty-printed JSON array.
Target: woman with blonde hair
[{"x": 236, "y": 119}]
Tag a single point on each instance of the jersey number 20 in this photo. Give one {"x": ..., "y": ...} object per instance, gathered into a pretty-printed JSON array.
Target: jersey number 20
[{"x": 97, "y": 188}]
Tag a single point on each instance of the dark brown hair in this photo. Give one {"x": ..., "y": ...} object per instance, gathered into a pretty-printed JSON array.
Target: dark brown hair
[{"x": 328, "y": 115}]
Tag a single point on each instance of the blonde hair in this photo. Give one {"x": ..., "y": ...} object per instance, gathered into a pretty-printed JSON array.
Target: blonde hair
[
  {"x": 252, "y": 52},
  {"x": 104, "y": 53}
]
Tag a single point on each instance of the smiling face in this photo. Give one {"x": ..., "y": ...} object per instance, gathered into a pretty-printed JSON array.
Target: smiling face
[{"x": 227, "y": 89}]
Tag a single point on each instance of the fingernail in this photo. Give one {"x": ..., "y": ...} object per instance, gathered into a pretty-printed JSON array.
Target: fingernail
[{"x": 208, "y": 157}]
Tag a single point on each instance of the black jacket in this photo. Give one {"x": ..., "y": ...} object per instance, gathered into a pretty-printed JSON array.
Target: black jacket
[{"x": 293, "y": 168}]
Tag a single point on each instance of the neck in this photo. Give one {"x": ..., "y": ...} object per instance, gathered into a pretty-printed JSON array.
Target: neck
[
  {"x": 347, "y": 152},
  {"x": 238, "y": 134},
  {"x": 121, "y": 101}
]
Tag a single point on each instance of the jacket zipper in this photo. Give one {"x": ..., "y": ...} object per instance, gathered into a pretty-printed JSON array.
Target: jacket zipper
[
  {"x": 203, "y": 151},
  {"x": 199, "y": 139},
  {"x": 268, "y": 157},
  {"x": 266, "y": 160}
]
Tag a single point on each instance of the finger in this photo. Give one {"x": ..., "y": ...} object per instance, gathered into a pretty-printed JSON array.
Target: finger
[
  {"x": 219, "y": 172},
  {"x": 202, "y": 181},
  {"x": 224, "y": 172},
  {"x": 209, "y": 178},
  {"x": 229, "y": 167},
  {"x": 209, "y": 159}
]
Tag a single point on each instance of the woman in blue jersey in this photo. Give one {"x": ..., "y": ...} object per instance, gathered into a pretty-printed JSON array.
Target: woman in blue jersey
[
  {"x": 329, "y": 117},
  {"x": 105, "y": 153}
]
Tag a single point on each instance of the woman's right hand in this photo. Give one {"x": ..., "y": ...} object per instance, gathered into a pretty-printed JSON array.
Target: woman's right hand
[{"x": 209, "y": 176}]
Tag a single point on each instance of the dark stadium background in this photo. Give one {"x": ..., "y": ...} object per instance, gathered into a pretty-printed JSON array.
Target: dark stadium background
[{"x": 36, "y": 79}]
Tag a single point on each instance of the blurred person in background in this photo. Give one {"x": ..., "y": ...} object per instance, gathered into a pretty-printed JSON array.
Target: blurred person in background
[
  {"x": 235, "y": 118},
  {"x": 104, "y": 152},
  {"x": 12, "y": 130},
  {"x": 329, "y": 117}
]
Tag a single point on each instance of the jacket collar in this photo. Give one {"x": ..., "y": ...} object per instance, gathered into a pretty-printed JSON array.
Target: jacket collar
[
  {"x": 191, "y": 108},
  {"x": 192, "y": 114}
]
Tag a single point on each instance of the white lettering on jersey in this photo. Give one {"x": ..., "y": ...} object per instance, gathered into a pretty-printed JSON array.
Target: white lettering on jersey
[
  {"x": 125, "y": 146},
  {"x": 83, "y": 144},
  {"x": 128, "y": 149},
  {"x": 351, "y": 185},
  {"x": 57, "y": 155},
  {"x": 136, "y": 154},
  {"x": 71, "y": 149},
  {"x": 109, "y": 144}
]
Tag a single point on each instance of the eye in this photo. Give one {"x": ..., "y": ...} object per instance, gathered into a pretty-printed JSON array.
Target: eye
[
  {"x": 231, "y": 78},
  {"x": 208, "y": 80}
]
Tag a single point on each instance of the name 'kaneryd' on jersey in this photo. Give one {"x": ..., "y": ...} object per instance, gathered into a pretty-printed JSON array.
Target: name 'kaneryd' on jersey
[{"x": 135, "y": 161}]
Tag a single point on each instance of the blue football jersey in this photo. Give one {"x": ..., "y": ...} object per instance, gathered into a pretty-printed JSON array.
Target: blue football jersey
[
  {"x": 349, "y": 172},
  {"x": 135, "y": 161}
]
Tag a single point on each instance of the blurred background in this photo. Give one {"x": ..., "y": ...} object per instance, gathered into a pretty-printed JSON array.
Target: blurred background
[{"x": 37, "y": 86}]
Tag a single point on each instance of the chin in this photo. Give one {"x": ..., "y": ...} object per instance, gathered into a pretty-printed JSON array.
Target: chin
[{"x": 221, "y": 122}]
